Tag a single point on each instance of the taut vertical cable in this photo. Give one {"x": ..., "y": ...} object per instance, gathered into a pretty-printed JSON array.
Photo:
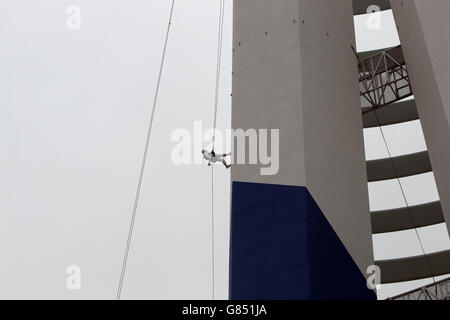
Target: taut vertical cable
[
  {"x": 212, "y": 233},
  {"x": 144, "y": 158},
  {"x": 218, "y": 67},
  {"x": 216, "y": 103}
]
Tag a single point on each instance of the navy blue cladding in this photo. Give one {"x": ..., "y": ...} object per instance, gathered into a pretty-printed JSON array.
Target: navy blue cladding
[{"x": 282, "y": 247}]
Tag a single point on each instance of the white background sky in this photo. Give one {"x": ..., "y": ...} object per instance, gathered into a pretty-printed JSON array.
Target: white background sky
[{"x": 74, "y": 108}]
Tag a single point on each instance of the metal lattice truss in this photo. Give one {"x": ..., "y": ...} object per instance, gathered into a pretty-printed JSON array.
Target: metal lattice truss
[
  {"x": 437, "y": 291},
  {"x": 383, "y": 79}
]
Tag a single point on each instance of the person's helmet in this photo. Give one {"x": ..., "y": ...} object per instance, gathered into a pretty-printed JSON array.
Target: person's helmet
[{"x": 213, "y": 153}]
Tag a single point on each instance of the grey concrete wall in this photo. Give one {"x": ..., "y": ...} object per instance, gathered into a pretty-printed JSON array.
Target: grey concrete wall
[
  {"x": 267, "y": 83},
  {"x": 294, "y": 69},
  {"x": 424, "y": 29}
]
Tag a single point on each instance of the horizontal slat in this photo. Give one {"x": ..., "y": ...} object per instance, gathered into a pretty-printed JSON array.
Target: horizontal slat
[
  {"x": 400, "y": 219},
  {"x": 398, "y": 167},
  {"x": 360, "y": 6},
  {"x": 396, "y": 113},
  {"x": 414, "y": 268}
]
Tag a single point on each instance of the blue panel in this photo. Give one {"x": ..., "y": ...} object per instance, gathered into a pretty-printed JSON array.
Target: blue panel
[{"x": 282, "y": 247}]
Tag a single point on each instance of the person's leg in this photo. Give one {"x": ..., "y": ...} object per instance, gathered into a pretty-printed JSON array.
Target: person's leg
[{"x": 226, "y": 164}]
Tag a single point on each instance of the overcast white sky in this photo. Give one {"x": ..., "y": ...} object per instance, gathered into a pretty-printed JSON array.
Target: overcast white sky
[{"x": 74, "y": 107}]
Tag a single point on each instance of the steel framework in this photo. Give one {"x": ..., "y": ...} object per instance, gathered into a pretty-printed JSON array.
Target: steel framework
[
  {"x": 383, "y": 79},
  {"x": 436, "y": 291}
]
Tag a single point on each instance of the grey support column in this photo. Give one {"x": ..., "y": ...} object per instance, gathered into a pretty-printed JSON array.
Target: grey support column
[
  {"x": 424, "y": 29},
  {"x": 303, "y": 232}
]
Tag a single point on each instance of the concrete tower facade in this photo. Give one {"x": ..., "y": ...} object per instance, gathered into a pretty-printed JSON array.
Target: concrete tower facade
[
  {"x": 424, "y": 30},
  {"x": 304, "y": 232}
]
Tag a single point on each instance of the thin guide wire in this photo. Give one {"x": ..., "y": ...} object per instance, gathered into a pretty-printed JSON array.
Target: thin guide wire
[{"x": 144, "y": 158}]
